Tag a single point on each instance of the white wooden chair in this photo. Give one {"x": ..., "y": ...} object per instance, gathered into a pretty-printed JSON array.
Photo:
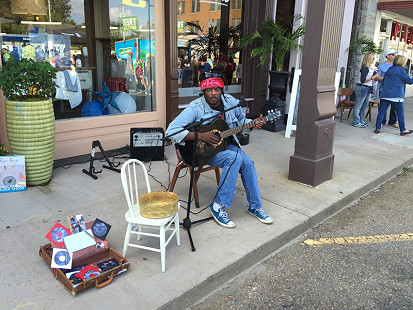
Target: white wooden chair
[{"x": 129, "y": 176}]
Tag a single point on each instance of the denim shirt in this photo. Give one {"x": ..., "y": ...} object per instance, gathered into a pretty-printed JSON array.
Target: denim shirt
[{"x": 198, "y": 109}]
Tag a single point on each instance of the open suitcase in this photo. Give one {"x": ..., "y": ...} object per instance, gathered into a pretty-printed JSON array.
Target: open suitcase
[{"x": 88, "y": 256}]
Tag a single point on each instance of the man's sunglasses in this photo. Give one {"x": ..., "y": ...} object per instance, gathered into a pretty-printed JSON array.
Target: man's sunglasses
[{"x": 211, "y": 74}]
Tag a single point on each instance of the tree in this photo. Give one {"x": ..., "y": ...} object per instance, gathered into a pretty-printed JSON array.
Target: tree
[
  {"x": 60, "y": 11},
  {"x": 208, "y": 43}
]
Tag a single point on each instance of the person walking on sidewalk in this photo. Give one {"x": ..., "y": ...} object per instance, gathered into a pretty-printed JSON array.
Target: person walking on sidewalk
[
  {"x": 382, "y": 69},
  {"x": 363, "y": 90},
  {"x": 233, "y": 160},
  {"x": 392, "y": 93}
]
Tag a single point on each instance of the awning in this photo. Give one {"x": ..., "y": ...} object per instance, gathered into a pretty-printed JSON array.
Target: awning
[{"x": 404, "y": 8}]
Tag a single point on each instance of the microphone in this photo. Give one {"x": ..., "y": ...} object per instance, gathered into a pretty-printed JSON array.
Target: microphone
[{"x": 242, "y": 102}]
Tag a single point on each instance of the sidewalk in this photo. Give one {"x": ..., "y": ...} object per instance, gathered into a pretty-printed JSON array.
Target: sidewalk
[{"x": 363, "y": 160}]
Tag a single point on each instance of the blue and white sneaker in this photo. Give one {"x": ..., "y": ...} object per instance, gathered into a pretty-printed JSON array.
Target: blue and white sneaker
[
  {"x": 260, "y": 215},
  {"x": 359, "y": 125},
  {"x": 221, "y": 217}
]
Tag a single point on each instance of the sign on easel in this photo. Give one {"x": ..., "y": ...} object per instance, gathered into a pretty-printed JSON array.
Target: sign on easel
[
  {"x": 295, "y": 94},
  {"x": 12, "y": 173}
]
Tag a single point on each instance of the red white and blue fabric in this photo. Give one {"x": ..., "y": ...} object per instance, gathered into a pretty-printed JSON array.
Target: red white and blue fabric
[{"x": 211, "y": 83}]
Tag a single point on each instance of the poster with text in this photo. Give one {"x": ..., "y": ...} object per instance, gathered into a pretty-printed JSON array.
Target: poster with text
[{"x": 12, "y": 173}]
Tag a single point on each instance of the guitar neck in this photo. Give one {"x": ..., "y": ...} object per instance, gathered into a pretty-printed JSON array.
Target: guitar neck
[{"x": 237, "y": 129}]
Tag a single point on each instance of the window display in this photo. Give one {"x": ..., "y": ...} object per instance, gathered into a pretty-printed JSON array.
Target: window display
[{"x": 123, "y": 57}]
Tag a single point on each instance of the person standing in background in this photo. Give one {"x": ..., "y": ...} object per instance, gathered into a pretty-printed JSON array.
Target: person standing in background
[
  {"x": 382, "y": 69},
  {"x": 139, "y": 76},
  {"x": 393, "y": 92},
  {"x": 129, "y": 73},
  {"x": 363, "y": 89},
  {"x": 204, "y": 66},
  {"x": 14, "y": 50}
]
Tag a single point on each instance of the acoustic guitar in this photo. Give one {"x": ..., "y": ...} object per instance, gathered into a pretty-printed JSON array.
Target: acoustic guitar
[{"x": 205, "y": 151}]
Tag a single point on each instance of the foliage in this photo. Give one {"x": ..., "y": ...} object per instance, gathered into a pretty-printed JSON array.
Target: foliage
[
  {"x": 3, "y": 150},
  {"x": 60, "y": 12},
  {"x": 208, "y": 43},
  {"x": 363, "y": 46},
  {"x": 27, "y": 79},
  {"x": 276, "y": 40}
]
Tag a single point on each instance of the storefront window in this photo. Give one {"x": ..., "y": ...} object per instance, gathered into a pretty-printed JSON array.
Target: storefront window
[
  {"x": 59, "y": 35},
  {"x": 214, "y": 7},
  {"x": 200, "y": 48},
  {"x": 214, "y": 23},
  {"x": 236, "y": 4},
  {"x": 195, "y": 6},
  {"x": 181, "y": 8},
  {"x": 133, "y": 50}
]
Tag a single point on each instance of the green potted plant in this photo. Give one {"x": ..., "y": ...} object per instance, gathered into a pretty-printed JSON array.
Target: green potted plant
[
  {"x": 28, "y": 85},
  {"x": 363, "y": 46},
  {"x": 274, "y": 42}
]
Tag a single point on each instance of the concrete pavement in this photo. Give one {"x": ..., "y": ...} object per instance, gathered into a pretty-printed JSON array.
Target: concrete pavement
[{"x": 363, "y": 160}]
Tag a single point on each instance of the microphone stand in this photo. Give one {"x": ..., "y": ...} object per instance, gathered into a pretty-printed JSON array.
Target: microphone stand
[{"x": 187, "y": 223}]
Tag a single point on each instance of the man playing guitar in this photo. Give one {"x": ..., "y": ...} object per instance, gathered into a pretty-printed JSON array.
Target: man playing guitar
[{"x": 232, "y": 160}]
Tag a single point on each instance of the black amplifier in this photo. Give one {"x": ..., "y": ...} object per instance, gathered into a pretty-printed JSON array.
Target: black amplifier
[{"x": 146, "y": 144}]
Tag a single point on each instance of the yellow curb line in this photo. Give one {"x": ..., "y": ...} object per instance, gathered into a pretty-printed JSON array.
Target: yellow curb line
[{"x": 361, "y": 239}]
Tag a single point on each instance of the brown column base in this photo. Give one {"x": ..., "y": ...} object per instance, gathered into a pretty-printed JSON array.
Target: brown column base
[{"x": 310, "y": 171}]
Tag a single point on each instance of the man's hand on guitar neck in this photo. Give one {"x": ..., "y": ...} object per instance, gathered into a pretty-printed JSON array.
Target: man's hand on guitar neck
[
  {"x": 206, "y": 136},
  {"x": 258, "y": 123}
]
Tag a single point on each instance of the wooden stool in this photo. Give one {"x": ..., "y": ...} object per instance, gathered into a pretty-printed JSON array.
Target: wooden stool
[
  {"x": 345, "y": 103},
  {"x": 181, "y": 165},
  {"x": 372, "y": 104}
]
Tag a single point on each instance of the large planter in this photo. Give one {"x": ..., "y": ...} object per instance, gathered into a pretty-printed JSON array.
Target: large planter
[
  {"x": 31, "y": 132},
  {"x": 278, "y": 83},
  {"x": 278, "y": 90}
]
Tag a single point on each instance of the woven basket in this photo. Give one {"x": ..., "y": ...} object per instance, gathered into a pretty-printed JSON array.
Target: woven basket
[
  {"x": 158, "y": 205},
  {"x": 31, "y": 132}
]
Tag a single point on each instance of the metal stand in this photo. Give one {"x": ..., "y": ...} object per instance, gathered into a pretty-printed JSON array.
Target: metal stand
[
  {"x": 92, "y": 171},
  {"x": 187, "y": 223}
]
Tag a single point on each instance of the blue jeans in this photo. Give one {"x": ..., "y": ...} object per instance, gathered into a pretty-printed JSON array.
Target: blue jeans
[
  {"x": 392, "y": 117},
  {"x": 362, "y": 102},
  {"x": 398, "y": 107},
  {"x": 241, "y": 163}
]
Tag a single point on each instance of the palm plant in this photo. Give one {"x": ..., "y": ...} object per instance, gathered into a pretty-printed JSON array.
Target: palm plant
[
  {"x": 363, "y": 46},
  {"x": 208, "y": 42},
  {"x": 274, "y": 40}
]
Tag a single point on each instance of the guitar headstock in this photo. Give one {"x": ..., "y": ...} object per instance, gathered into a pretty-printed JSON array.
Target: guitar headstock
[{"x": 272, "y": 115}]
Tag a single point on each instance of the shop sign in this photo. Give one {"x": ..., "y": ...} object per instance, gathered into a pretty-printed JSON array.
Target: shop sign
[
  {"x": 130, "y": 23},
  {"x": 181, "y": 26},
  {"x": 135, "y": 3}
]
